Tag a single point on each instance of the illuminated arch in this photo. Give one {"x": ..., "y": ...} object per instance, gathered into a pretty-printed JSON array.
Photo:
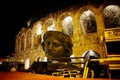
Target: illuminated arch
[
  {"x": 65, "y": 22},
  {"x": 37, "y": 28},
  {"x": 111, "y": 16},
  {"x": 23, "y": 42},
  {"x": 19, "y": 44},
  {"x": 67, "y": 25},
  {"x": 28, "y": 38},
  {"x": 37, "y": 33},
  {"x": 88, "y": 22},
  {"x": 50, "y": 24}
]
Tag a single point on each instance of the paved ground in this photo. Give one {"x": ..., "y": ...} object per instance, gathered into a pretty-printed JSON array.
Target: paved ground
[{"x": 31, "y": 76}]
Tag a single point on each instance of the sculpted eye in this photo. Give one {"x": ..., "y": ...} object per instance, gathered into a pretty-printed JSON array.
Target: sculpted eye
[
  {"x": 47, "y": 43},
  {"x": 56, "y": 44}
]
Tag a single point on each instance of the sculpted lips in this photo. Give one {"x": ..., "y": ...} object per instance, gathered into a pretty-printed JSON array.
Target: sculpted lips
[{"x": 50, "y": 52}]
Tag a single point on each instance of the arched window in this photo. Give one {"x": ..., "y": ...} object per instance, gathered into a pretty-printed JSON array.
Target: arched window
[
  {"x": 67, "y": 25},
  {"x": 22, "y": 42},
  {"x": 88, "y": 22},
  {"x": 111, "y": 16},
  {"x": 29, "y": 39},
  {"x": 38, "y": 30},
  {"x": 37, "y": 39},
  {"x": 51, "y": 27},
  {"x": 18, "y": 44}
]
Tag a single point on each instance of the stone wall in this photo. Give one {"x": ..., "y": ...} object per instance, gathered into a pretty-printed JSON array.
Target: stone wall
[{"x": 82, "y": 41}]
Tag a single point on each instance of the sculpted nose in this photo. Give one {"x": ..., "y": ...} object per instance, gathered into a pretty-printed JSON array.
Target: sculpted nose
[{"x": 50, "y": 46}]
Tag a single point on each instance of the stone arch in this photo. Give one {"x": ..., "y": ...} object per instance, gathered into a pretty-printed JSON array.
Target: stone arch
[
  {"x": 37, "y": 25},
  {"x": 27, "y": 64},
  {"x": 111, "y": 16},
  {"x": 28, "y": 38},
  {"x": 67, "y": 25},
  {"x": 88, "y": 22},
  {"x": 61, "y": 18},
  {"x": 86, "y": 8},
  {"x": 23, "y": 43},
  {"x": 37, "y": 33},
  {"x": 19, "y": 44},
  {"x": 50, "y": 24},
  {"x": 77, "y": 17},
  {"x": 38, "y": 59}
]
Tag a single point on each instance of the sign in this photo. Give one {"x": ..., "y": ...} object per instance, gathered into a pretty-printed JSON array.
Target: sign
[{"x": 112, "y": 34}]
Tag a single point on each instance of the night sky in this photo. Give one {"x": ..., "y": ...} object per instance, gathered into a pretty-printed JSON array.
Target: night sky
[{"x": 14, "y": 15}]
